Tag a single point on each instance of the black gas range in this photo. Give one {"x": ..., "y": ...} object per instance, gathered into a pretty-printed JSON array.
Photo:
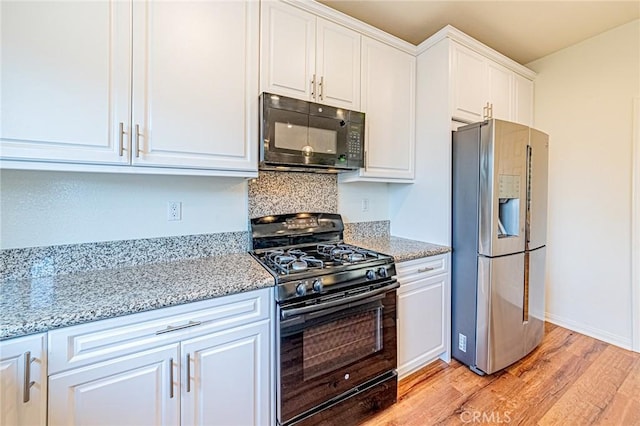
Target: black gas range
[
  {"x": 306, "y": 254},
  {"x": 336, "y": 320}
]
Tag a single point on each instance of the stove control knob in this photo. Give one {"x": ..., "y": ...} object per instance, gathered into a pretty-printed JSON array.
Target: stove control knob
[
  {"x": 317, "y": 285},
  {"x": 383, "y": 272},
  {"x": 371, "y": 275},
  {"x": 301, "y": 289}
]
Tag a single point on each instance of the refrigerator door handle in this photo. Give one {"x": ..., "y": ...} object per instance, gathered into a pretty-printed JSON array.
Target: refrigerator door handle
[{"x": 527, "y": 222}]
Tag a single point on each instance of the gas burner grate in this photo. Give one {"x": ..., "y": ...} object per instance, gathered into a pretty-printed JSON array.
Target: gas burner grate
[
  {"x": 344, "y": 252},
  {"x": 293, "y": 260}
]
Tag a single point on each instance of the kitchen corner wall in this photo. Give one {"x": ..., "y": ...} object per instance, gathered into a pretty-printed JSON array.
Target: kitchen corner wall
[
  {"x": 583, "y": 100},
  {"x": 55, "y": 208}
]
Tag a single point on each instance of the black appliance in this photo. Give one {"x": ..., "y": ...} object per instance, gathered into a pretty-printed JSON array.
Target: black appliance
[
  {"x": 304, "y": 136},
  {"x": 336, "y": 320}
]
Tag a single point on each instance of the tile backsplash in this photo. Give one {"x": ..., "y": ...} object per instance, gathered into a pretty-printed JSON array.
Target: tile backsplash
[{"x": 275, "y": 193}]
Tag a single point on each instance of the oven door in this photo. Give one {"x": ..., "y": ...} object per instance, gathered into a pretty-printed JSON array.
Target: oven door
[{"x": 329, "y": 348}]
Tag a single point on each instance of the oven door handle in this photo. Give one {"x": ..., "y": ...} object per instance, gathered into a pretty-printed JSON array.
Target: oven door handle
[{"x": 288, "y": 313}]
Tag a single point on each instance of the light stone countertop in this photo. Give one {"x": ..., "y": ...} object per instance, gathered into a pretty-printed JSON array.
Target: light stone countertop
[
  {"x": 402, "y": 249},
  {"x": 36, "y": 305},
  {"x": 40, "y": 304}
]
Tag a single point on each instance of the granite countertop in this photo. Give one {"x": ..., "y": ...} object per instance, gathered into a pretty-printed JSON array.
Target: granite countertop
[
  {"x": 41, "y": 304},
  {"x": 402, "y": 249}
]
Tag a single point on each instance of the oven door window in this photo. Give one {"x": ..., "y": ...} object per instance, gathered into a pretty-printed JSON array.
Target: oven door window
[{"x": 340, "y": 341}]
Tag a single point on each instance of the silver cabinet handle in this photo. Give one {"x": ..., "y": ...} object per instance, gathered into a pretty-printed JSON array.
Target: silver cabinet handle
[
  {"x": 487, "y": 111},
  {"x": 321, "y": 88},
  {"x": 313, "y": 87},
  {"x": 170, "y": 377},
  {"x": 171, "y": 328},
  {"x": 26, "y": 396},
  {"x": 188, "y": 372},
  {"x": 425, "y": 269},
  {"x": 121, "y": 133},
  {"x": 137, "y": 148}
]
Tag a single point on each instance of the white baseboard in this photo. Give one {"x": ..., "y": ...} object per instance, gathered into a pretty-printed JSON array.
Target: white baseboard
[{"x": 596, "y": 333}]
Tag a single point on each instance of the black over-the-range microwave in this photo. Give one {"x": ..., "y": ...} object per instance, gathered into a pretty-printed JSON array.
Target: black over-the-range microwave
[{"x": 305, "y": 136}]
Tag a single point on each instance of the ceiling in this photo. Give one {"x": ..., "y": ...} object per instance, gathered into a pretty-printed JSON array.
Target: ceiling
[{"x": 522, "y": 30}]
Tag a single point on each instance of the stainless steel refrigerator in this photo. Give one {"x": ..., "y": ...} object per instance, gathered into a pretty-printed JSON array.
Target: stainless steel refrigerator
[{"x": 499, "y": 224}]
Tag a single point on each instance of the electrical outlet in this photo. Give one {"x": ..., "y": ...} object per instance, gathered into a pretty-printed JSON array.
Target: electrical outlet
[
  {"x": 462, "y": 342},
  {"x": 174, "y": 210},
  {"x": 365, "y": 204}
]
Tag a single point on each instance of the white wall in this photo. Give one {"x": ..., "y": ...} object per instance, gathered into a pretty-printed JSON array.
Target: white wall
[
  {"x": 422, "y": 210},
  {"x": 49, "y": 208},
  {"x": 583, "y": 99},
  {"x": 350, "y": 196}
]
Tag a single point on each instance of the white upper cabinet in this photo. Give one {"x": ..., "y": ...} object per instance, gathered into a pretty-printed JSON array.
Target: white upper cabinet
[
  {"x": 523, "y": 100},
  {"x": 65, "y": 80},
  {"x": 167, "y": 84},
  {"x": 499, "y": 96},
  {"x": 195, "y": 89},
  {"x": 388, "y": 100},
  {"x": 468, "y": 76},
  {"x": 483, "y": 88},
  {"x": 308, "y": 57}
]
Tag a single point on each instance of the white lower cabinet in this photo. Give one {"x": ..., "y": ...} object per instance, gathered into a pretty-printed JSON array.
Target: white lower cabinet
[
  {"x": 201, "y": 363},
  {"x": 23, "y": 381},
  {"x": 424, "y": 324},
  {"x": 225, "y": 378},
  {"x": 139, "y": 389}
]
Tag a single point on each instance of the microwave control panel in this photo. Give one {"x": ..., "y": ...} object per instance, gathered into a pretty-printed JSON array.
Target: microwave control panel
[{"x": 355, "y": 143}]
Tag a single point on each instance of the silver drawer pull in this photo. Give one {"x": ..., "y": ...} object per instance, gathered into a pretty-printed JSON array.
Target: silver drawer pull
[
  {"x": 425, "y": 269},
  {"x": 171, "y": 328}
]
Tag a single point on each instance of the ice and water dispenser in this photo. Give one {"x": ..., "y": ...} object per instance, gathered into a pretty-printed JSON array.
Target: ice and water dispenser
[{"x": 508, "y": 205}]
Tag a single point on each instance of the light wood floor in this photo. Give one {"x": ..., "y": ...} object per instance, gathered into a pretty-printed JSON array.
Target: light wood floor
[{"x": 570, "y": 379}]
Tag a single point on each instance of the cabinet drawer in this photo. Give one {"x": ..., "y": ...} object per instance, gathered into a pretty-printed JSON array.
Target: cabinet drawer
[
  {"x": 85, "y": 344},
  {"x": 422, "y": 268}
]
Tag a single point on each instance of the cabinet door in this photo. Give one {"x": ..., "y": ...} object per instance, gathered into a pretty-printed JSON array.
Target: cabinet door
[
  {"x": 287, "y": 51},
  {"x": 227, "y": 377},
  {"x": 22, "y": 362},
  {"x": 65, "y": 80},
  {"x": 140, "y": 389},
  {"x": 388, "y": 99},
  {"x": 469, "y": 82},
  {"x": 500, "y": 89},
  {"x": 422, "y": 331},
  {"x": 195, "y": 78},
  {"x": 523, "y": 100},
  {"x": 338, "y": 65}
]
